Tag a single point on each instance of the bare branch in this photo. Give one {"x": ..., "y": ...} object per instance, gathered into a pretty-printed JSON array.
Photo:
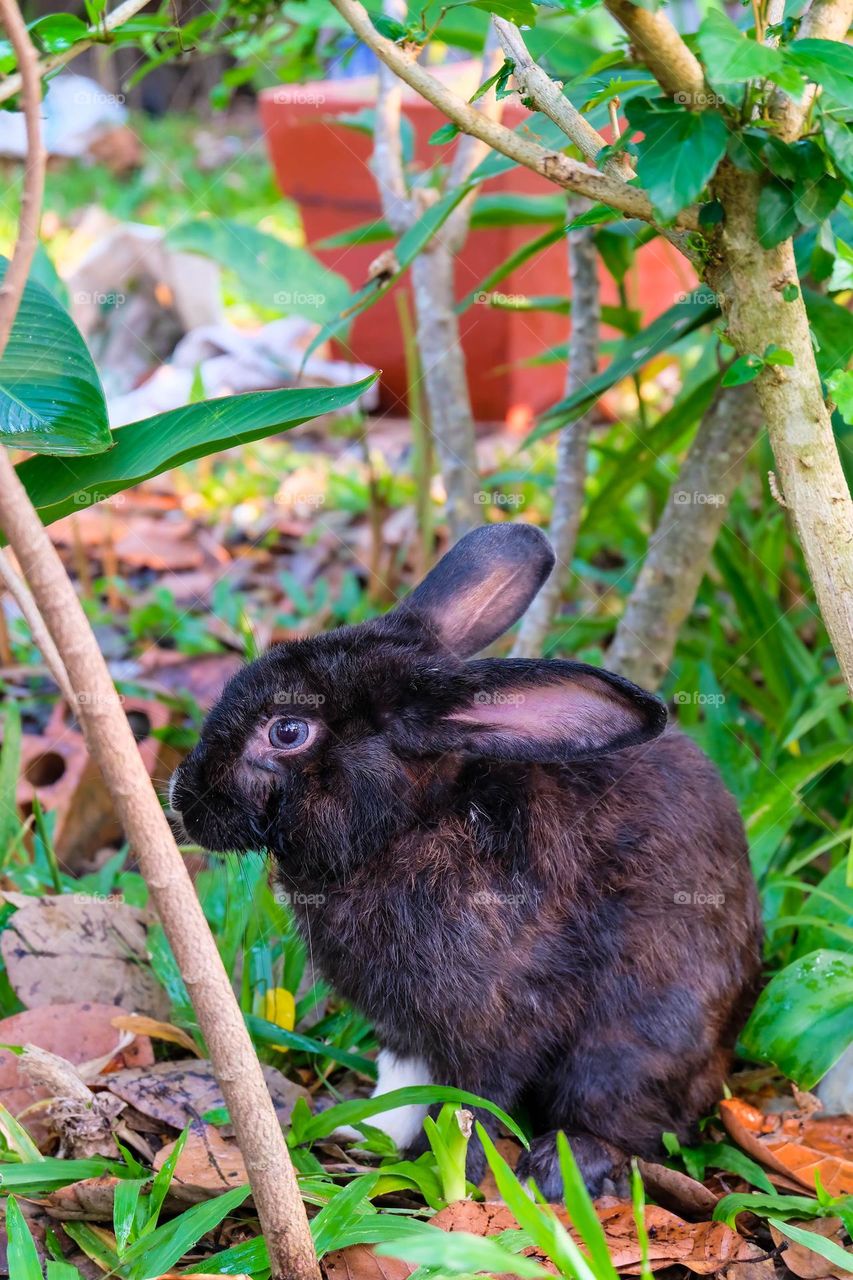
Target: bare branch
[
  {"x": 12, "y": 84},
  {"x": 680, "y": 548},
  {"x": 470, "y": 150},
  {"x": 112, "y": 745},
  {"x": 388, "y": 169},
  {"x": 662, "y": 50},
  {"x": 570, "y": 480},
  {"x": 552, "y": 165},
  {"x": 824, "y": 20},
  {"x": 21, "y": 594},
  {"x": 548, "y": 98}
]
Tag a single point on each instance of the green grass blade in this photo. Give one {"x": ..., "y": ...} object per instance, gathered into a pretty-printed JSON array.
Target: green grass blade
[
  {"x": 581, "y": 1210},
  {"x": 21, "y": 1252},
  {"x": 320, "y": 1126},
  {"x": 818, "y": 1244},
  {"x": 153, "y": 1254}
]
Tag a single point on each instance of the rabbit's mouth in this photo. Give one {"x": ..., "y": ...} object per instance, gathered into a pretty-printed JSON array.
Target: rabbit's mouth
[{"x": 211, "y": 818}]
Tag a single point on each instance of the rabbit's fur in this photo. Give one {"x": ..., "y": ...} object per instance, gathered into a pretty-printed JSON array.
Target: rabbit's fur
[{"x": 534, "y": 892}]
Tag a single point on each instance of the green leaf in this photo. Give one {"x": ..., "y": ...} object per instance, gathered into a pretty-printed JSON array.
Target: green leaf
[
  {"x": 679, "y": 153},
  {"x": 274, "y": 274},
  {"x": 581, "y": 1210},
  {"x": 62, "y": 1271},
  {"x": 777, "y": 216},
  {"x": 153, "y": 1254},
  {"x": 522, "y": 12},
  {"x": 840, "y": 387},
  {"x": 125, "y": 1202},
  {"x": 51, "y": 399},
  {"x": 727, "y": 1209},
  {"x": 270, "y": 1033},
  {"x": 22, "y": 1258},
  {"x": 153, "y": 445},
  {"x": 816, "y": 200},
  {"x": 446, "y": 133},
  {"x": 839, "y": 143},
  {"x": 351, "y": 1113},
  {"x": 720, "y": 1155},
  {"x": 830, "y": 324},
  {"x": 731, "y": 59},
  {"x": 459, "y": 1253},
  {"x": 778, "y": 355},
  {"x": 818, "y": 1244},
  {"x": 828, "y": 63},
  {"x": 49, "y": 1173},
  {"x": 338, "y": 1214},
  {"x": 696, "y": 309},
  {"x": 510, "y": 264},
  {"x": 515, "y": 209},
  {"x": 57, "y": 32},
  {"x": 801, "y": 1022}
]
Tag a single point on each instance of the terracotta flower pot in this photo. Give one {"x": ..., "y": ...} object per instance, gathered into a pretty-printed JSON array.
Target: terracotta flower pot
[{"x": 325, "y": 168}]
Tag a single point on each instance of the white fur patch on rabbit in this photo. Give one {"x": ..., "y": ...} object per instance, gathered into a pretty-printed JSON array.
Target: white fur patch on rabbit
[{"x": 403, "y": 1124}]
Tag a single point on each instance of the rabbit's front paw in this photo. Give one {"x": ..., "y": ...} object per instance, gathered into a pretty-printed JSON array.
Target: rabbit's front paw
[{"x": 601, "y": 1165}]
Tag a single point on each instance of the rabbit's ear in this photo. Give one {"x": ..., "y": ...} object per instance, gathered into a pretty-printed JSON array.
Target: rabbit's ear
[
  {"x": 482, "y": 586},
  {"x": 542, "y": 712}
]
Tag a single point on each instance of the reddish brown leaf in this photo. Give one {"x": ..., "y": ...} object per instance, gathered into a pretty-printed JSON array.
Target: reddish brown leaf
[
  {"x": 794, "y": 1144},
  {"x": 703, "y": 1248},
  {"x": 208, "y": 1165}
]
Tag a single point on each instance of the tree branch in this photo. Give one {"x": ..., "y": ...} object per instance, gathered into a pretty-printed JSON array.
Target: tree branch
[
  {"x": 680, "y": 547},
  {"x": 570, "y": 479},
  {"x": 12, "y": 84},
  {"x": 21, "y": 594},
  {"x": 824, "y": 20},
  {"x": 112, "y": 745},
  {"x": 557, "y": 168},
  {"x": 388, "y": 170},
  {"x": 548, "y": 98},
  {"x": 662, "y": 50}
]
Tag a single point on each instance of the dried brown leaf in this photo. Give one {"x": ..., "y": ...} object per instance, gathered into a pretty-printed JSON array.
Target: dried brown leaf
[
  {"x": 61, "y": 948},
  {"x": 181, "y": 1093},
  {"x": 78, "y": 1033},
  {"x": 208, "y": 1165}
]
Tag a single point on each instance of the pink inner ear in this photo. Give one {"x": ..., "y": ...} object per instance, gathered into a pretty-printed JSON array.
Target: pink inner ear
[{"x": 581, "y": 711}]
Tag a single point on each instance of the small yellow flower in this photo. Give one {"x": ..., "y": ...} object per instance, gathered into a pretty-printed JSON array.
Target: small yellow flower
[{"x": 279, "y": 1007}]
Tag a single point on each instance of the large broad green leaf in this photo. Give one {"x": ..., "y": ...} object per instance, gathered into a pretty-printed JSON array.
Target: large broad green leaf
[
  {"x": 828, "y": 62},
  {"x": 144, "y": 449},
  {"x": 802, "y": 1019},
  {"x": 631, "y": 355},
  {"x": 731, "y": 58},
  {"x": 51, "y": 399},
  {"x": 272, "y": 273},
  {"x": 839, "y": 142},
  {"x": 679, "y": 152}
]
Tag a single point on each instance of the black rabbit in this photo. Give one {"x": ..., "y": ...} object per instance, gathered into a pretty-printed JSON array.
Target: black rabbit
[{"x": 533, "y": 891}]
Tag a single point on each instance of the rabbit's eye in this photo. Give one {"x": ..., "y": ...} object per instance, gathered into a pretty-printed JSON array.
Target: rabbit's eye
[{"x": 286, "y": 734}]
